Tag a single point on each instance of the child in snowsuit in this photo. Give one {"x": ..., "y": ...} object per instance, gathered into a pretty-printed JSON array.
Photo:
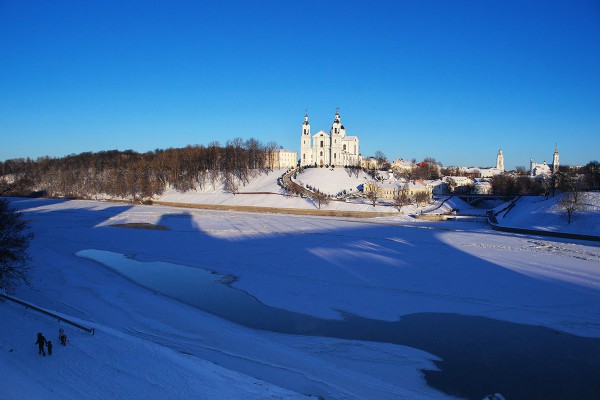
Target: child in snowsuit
[
  {"x": 49, "y": 344},
  {"x": 41, "y": 341}
]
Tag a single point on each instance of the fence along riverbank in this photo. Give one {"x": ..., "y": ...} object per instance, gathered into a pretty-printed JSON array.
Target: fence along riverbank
[{"x": 48, "y": 313}]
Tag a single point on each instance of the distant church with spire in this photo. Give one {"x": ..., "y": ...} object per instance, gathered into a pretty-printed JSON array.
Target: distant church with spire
[
  {"x": 536, "y": 169},
  {"x": 333, "y": 148}
]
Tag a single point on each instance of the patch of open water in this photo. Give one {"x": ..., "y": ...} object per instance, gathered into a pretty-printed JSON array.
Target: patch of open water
[{"x": 480, "y": 355}]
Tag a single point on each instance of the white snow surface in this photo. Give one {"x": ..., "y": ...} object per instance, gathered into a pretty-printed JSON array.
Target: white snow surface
[
  {"x": 262, "y": 191},
  {"x": 333, "y": 180},
  {"x": 549, "y": 215},
  {"x": 150, "y": 346}
]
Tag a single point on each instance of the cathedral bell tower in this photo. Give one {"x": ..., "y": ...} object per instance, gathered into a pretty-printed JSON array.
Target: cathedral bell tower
[
  {"x": 555, "y": 162},
  {"x": 337, "y": 125},
  {"x": 305, "y": 144},
  {"x": 500, "y": 161},
  {"x": 337, "y": 135}
]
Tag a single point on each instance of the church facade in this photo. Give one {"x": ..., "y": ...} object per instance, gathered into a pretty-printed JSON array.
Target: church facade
[
  {"x": 536, "y": 169},
  {"x": 328, "y": 149}
]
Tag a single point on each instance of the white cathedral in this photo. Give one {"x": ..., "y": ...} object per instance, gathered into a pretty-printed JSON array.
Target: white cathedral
[
  {"x": 536, "y": 169},
  {"x": 333, "y": 148}
]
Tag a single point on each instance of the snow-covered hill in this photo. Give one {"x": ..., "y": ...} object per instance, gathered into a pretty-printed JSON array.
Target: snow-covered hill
[
  {"x": 544, "y": 214},
  {"x": 333, "y": 180},
  {"x": 110, "y": 365},
  {"x": 263, "y": 191}
]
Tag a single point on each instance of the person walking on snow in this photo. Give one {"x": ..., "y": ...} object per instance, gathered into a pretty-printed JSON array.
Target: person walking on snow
[
  {"x": 62, "y": 337},
  {"x": 41, "y": 342},
  {"x": 49, "y": 344}
]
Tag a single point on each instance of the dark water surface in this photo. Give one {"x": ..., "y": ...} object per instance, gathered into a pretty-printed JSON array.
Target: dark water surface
[{"x": 480, "y": 355}]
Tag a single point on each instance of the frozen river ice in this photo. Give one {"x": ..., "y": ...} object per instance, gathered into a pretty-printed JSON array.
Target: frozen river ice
[{"x": 478, "y": 354}]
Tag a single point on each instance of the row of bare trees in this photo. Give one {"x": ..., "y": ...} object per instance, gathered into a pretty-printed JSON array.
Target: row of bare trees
[
  {"x": 138, "y": 176},
  {"x": 567, "y": 179}
]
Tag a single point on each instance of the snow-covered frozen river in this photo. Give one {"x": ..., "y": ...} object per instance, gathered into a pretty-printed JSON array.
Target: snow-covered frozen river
[
  {"x": 478, "y": 353},
  {"x": 365, "y": 305}
]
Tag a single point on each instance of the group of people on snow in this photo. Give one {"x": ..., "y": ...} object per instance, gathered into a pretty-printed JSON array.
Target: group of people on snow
[{"x": 41, "y": 342}]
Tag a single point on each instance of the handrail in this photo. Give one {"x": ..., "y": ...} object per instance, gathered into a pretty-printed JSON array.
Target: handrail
[
  {"x": 509, "y": 207},
  {"x": 27, "y": 305},
  {"x": 493, "y": 221},
  {"x": 564, "y": 235},
  {"x": 441, "y": 204}
]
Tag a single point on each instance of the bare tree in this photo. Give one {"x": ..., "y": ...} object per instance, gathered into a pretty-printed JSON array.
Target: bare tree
[
  {"x": 320, "y": 198},
  {"x": 379, "y": 156},
  {"x": 429, "y": 168},
  {"x": 401, "y": 197},
  {"x": 451, "y": 184},
  {"x": 372, "y": 192},
  {"x": 421, "y": 197},
  {"x": 382, "y": 162},
  {"x": 230, "y": 183},
  {"x": 521, "y": 170},
  {"x": 571, "y": 202},
  {"x": 408, "y": 174},
  {"x": 14, "y": 242},
  {"x": 504, "y": 184},
  {"x": 591, "y": 173}
]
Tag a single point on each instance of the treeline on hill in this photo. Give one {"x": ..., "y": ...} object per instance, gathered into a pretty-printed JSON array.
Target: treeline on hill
[
  {"x": 137, "y": 176},
  {"x": 567, "y": 179}
]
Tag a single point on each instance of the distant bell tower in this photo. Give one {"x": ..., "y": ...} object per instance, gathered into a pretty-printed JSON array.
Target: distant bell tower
[
  {"x": 305, "y": 143},
  {"x": 555, "y": 162},
  {"x": 337, "y": 125},
  {"x": 500, "y": 161},
  {"x": 337, "y": 135}
]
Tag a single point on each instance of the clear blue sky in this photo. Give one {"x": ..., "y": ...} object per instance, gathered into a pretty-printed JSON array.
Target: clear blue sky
[{"x": 456, "y": 80}]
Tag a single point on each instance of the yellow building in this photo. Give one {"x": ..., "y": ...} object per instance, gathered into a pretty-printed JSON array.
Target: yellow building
[{"x": 390, "y": 190}]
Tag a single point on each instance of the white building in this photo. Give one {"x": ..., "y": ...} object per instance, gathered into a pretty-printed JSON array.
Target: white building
[
  {"x": 483, "y": 186},
  {"x": 333, "y": 148},
  {"x": 457, "y": 184},
  {"x": 486, "y": 172},
  {"x": 369, "y": 163},
  {"x": 283, "y": 159},
  {"x": 438, "y": 187},
  {"x": 536, "y": 169},
  {"x": 490, "y": 172},
  {"x": 400, "y": 165}
]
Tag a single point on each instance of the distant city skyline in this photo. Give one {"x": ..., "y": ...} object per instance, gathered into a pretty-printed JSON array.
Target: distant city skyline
[{"x": 452, "y": 80}]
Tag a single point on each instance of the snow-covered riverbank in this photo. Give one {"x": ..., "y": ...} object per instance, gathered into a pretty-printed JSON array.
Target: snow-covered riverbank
[{"x": 380, "y": 269}]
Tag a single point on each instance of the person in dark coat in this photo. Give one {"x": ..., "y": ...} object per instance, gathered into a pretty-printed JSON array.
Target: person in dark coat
[
  {"x": 41, "y": 342},
  {"x": 49, "y": 345},
  {"x": 62, "y": 337}
]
